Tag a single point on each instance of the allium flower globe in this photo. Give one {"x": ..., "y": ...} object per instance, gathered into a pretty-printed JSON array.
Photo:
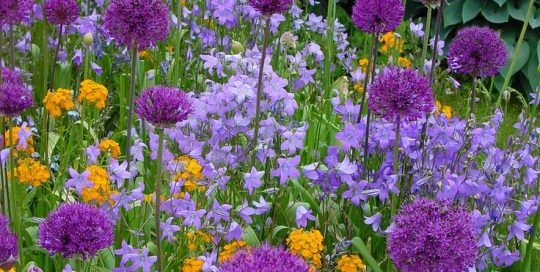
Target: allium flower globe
[
  {"x": 13, "y": 11},
  {"x": 269, "y": 7},
  {"x": 163, "y": 106},
  {"x": 142, "y": 21},
  {"x": 399, "y": 94},
  {"x": 432, "y": 236},
  {"x": 9, "y": 251},
  {"x": 14, "y": 99},
  {"x": 377, "y": 16},
  {"x": 10, "y": 76},
  {"x": 264, "y": 259},
  {"x": 62, "y": 12},
  {"x": 478, "y": 51},
  {"x": 72, "y": 229}
]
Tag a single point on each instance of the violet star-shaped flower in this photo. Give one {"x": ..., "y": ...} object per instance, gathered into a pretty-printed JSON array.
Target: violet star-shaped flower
[
  {"x": 79, "y": 181},
  {"x": 252, "y": 180}
]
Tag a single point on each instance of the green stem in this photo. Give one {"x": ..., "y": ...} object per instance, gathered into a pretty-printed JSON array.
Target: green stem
[
  {"x": 473, "y": 97},
  {"x": 426, "y": 38},
  {"x": 158, "y": 201},
  {"x": 11, "y": 48},
  {"x": 55, "y": 59},
  {"x": 1, "y": 38},
  {"x": 526, "y": 265},
  {"x": 260, "y": 85},
  {"x": 516, "y": 53},
  {"x": 131, "y": 102}
]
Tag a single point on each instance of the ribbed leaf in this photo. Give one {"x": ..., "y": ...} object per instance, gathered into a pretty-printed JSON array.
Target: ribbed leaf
[
  {"x": 495, "y": 14},
  {"x": 452, "y": 13},
  {"x": 471, "y": 9},
  {"x": 518, "y": 9}
]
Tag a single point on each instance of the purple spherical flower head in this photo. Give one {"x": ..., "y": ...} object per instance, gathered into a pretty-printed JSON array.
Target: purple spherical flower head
[
  {"x": 269, "y": 7},
  {"x": 72, "y": 229},
  {"x": 13, "y": 11},
  {"x": 10, "y": 76},
  {"x": 265, "y": 258},
  {"x": 432, "y": 236},
  {"x": 62, "y": 12},
  {"x": 9, "y": 251},
  {"x": 377, "y": 16},
  {"x": 400, "y": 94},
  {"x": 163, "y": 106},
  {"x": 142, "y": 21},
  {"x": 478, "y": 51},
  {"x": 14, "y": 99}
]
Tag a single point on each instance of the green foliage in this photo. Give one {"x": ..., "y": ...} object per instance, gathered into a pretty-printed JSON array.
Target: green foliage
[{"x": 507, "y": 16}]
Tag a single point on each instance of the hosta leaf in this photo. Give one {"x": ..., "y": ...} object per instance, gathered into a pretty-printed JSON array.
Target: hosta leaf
[
  {"x": 518, "y": 9},
  {"x": 452, "y": 13},
  {"x": 471, "y": 9},
  {"x": 500, "y": 2},
  {"x": 250, "y": 237},
  {"x": 495, "y": 14},
  {"x": 534, "y": 21},
  {"x": 521, "y": 58}
]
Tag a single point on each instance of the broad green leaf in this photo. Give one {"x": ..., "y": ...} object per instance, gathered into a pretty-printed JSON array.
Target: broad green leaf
[
  {"x": 452, "y": 13},
  {"x": 495, "y": 14},
  {"x": 278, "y": 229},
  {"x": 359, "y": 245},
  {"x": 518, "y": 9},
  {"x": 53, "y": 139},
  {"x": 500, "y": 2},
  {"x": 521, "y": 58},
  {"x": 250, "y": 237},
  {"x": 306, "y": 196},
  {"x": 534, "y": 21},
  {"x": 471, "y": 9}
]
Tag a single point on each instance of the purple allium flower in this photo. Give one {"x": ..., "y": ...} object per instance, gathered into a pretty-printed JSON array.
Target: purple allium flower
[
  {"x": 76, "y": 229},
  {"x": 478, "y": 51},
  {"x": 400, "y": 94},
  {"x": 377, "y": 16},
  {"x": 14, "y": 99},
  {"x": 432, "y": 236},
  {"x": 13, "y": 11},
  {"x": 265, "y": 258},
  {"x": 8, "y": 246},
  {"x": 163, "y": 106},
  {"x": 10, "y": 76},
  {"x": 62, "y": 12},
  {"x": 269, "y": 7},
  {"x": 143, "y": 21}
]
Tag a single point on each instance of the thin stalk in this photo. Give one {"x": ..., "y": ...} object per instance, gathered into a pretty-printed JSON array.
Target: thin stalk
[
  {"x": 526, "y": 265},
  {"x": 1, "y": 38},
  {"x": 517, "y": 50},
  {"x": 396, "y": 166},
  {"x": 11, "y": 48},
  {"x": 426, "y": 37},
  {"x": 260, "y": 84},
  {"x": 368, "y": 117},
  {"x": 473, "y": 97},
  {"x": 58, "y": 44},
  {"x": 131, "y": 102},
  {"x": 158, "y": 201},
  {"x": 372, "y": 52}
]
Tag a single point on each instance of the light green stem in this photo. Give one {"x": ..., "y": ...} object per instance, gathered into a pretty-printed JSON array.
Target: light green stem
[
  {"x": 426, "y": 38},
  {"x": 158, "y": 201}
]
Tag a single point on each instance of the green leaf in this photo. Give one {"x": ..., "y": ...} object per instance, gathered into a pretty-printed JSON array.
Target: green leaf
[
  {"x": 53, "y": 139},
  {"x": 500, "y": 2},
  {"x": 518, "y": 9},
  {"x": 495, "y": 14},
  {"x": 250, "y": 237},
  {"x": 471, "y": 8},
  {"x": 521, "y": 59},
  {"x": 306, "y": 196},
  {"x": 291, "y": 211},
  {"x": 534, "y": 21},
  {"x": 452, "y": 13},
  {"x": 359, "y": 245},
  {"x": 278, "y": 229}
]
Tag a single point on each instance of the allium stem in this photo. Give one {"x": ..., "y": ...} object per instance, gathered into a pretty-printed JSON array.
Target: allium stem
[
  {"x": 396, "y": 166},
  {"x": 131, "y": 102},
  {"x": 426, "y": 38},
  {"x": 368, "y": 117},
  {"x": 368, "y": 72},
  {"x": 55, "y": 59},
  {"x": 473, "y": 97},
  {"x": 11, "y": 48},
  {"x": 517, "y": 50},
  {"x": 158, "y": 200},
  {"x": 266, "y": 39}
]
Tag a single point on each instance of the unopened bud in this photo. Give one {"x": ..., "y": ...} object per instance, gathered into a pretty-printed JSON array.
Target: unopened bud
[
  {"x": 88, "y": 39},
  {"x": 506, "y": 95},
  {"x": 237, "y": 47},
  {"x": 288, "y": 40}
]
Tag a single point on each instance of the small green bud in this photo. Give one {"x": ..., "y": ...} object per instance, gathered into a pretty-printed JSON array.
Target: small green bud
[
  {"x": 88, "y": 39},
  {"x": 237, "y": 47}
]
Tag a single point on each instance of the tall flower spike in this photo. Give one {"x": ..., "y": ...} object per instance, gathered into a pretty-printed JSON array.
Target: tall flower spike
[
  {"x": 13, "y": 11},
  {"x": 377, "y": 16},
  {"x": 143, "y": 21},
  {"x": 478, "y": 51},
  {"x": 163, "y": 106},
  {"x": 76, "y": 229},
  {"x": 400, "y": 94},
  {"x": 62, "y": 12},
  {"x": 431, "y": 236},
  {"x": 269, "y": 7}
]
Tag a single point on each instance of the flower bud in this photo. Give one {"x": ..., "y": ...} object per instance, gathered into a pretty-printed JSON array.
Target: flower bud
[
  {"x": 88, "y": 39},
  {"x": 237, "y": 47},
  {"x": 288, "y": 40},
  {"x": 506, "y": 95}
]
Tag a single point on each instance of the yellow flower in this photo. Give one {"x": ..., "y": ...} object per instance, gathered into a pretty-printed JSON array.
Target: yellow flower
[
  {"x": 230, "y": 249},
  {"x": 359, "y": 87},
  {"x": 308, "y": 244},
  {"x": 388, "y": 43},
  {"x": 93, "y": 93},
  {"x": 363, "y": 63},
  {"x": 31, "y": 172},
  {"x": 101, "y": 191},
  {"x": 170, "y": 48},
  {"x": 350, "y": 263},
  {"x": 11, "y": 270},
  {"x": 192, "y": 265},
  {"x": 110, "y": 146},
  {"x": 197, "y": 240},
  {"x": 404, "y": 62},
  {"x": 14, "y": 140},
  {"x": 57, "y": 101},
  {"x": 447, "y": 110},
  {"x": 190, "y": 173}
]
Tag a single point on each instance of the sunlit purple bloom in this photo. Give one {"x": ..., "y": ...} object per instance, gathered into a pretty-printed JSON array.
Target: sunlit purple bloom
[
  {"x": 287, "y": 169},
  {"x": 235, "y": 232},
  {"x": 79, "y": 181},
  {"x": 118, "y": 172},
  {"x": 245, "y": 212},
  {"x": 377, "y": 16},
  {"x": 374, "y": 221},
  {"x": 23, "y": 135},
  {"x": 163, "y": 106},
  {"x": 302, "y": 216},
  {"x": 252, "y": 180},
  {"x": 168, "y": 229},
  {"x": 349, "y": 137},
  {"x": 355, "y": 191},
  {"x": 262, "y": 206},
  {"x": 93, "y": 153},
  {"x": 417, "y": 29},
  {"x": 192, "y": 217},
  {"x": 219, "y": 212}
]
